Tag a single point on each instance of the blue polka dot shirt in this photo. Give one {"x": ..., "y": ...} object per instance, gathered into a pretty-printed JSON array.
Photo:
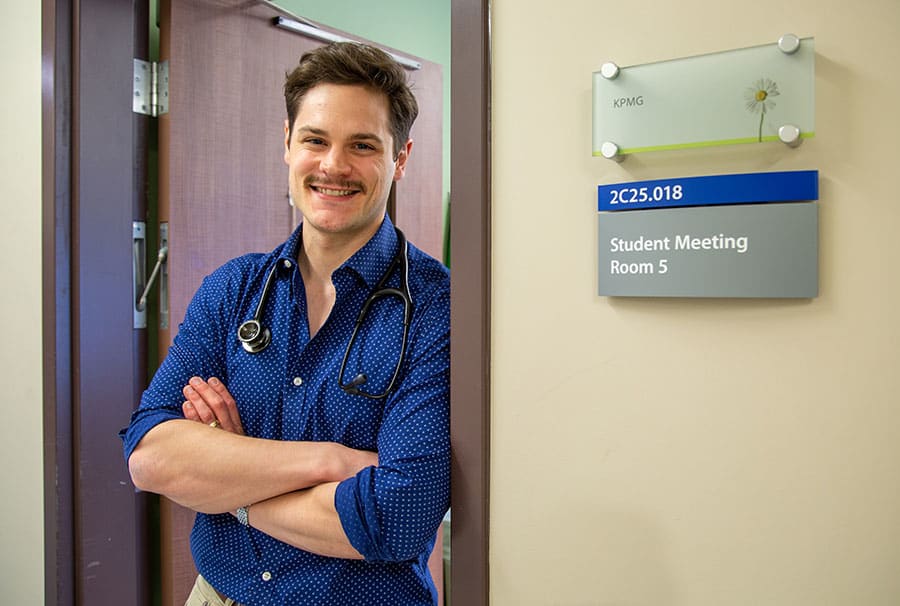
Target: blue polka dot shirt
[{"x": 290, "y": 391}]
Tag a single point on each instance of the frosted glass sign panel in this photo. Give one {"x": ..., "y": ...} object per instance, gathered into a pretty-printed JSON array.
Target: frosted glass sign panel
[{"x": 751, "y": 95}]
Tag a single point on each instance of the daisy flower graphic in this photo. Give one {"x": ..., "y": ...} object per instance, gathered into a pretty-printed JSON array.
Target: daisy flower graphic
[{"x": 759, "y": 99}]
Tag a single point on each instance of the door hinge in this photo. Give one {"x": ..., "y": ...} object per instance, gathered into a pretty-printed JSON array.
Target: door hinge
[{"x": 151, "y": 88}]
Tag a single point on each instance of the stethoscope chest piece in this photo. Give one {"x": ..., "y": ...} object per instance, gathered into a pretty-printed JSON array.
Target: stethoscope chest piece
[{"x": 253, "y": 337}]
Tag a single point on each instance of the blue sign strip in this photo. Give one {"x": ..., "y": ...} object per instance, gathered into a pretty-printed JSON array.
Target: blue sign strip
[{"x": 747, "y": 188}]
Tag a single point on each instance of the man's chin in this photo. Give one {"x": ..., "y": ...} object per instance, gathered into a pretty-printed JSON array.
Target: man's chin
[{"x": 340, "y": 225}]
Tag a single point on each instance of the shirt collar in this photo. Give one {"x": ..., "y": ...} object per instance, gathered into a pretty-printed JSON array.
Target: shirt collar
[{"x": 369, "y": 262}]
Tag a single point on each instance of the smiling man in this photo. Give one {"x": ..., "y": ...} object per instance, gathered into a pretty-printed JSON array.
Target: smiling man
[{"x": 303, "y": 408}]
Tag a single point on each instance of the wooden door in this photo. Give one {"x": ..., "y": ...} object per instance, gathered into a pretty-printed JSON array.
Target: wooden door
[{"x": 223, "y": 183}]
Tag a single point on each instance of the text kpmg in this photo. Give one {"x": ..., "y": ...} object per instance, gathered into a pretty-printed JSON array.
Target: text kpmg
[{"x": 628, "y": 102}]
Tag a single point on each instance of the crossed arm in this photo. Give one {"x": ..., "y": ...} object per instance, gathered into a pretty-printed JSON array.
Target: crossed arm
[{"x": 290, "y": 485}]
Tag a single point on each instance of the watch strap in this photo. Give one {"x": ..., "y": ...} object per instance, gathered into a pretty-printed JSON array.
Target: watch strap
[{"x": 243, "y": 515}]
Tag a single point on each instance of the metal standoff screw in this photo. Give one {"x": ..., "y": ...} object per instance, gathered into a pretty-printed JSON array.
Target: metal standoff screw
[
  {"x": 788, "y": 44},
  {"x": 609, "y": 70},
  {"x": 789, "y": 135},
  {"x": 610, "y": 151}
]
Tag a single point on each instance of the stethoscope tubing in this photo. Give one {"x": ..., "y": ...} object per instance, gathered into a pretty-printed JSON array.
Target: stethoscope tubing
[{"x": 254, "y": 337}]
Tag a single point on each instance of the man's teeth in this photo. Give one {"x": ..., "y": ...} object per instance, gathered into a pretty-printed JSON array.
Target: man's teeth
[{"x": 335, "y": 192}]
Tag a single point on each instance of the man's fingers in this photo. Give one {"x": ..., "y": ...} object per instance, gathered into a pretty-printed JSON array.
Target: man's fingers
[
  {"x": 217, "y": 408},
  {"x": 190, "y": 413},
  {"x": 234, "y": 418},
  {"x": 201, "y": 409},
  {"x": 214, "y": 404}
]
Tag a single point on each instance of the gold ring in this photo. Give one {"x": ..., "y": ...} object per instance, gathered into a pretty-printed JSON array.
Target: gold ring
[{"x": 214, "y": 424}]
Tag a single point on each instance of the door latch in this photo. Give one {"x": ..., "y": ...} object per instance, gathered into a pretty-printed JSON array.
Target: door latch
[{"x": 141, "y": 287}]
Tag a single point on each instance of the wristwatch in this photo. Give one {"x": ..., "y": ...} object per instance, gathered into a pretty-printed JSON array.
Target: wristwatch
[{"x": 243, "y": 515}]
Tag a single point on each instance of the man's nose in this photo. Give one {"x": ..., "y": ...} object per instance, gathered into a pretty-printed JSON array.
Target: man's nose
[{"x": 335, "y": 161}]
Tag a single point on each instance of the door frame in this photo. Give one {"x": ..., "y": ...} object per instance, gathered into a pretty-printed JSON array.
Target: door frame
[
  {"x": 94, "y": 520},
  {"x": 64, "y": 495},
  {"x": 470, "y": 298},
  {"x": 56, "y": 176}
]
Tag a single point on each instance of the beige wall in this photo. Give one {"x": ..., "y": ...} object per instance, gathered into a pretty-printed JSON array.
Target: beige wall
[
  {"x": 21, "y": 474},
  {"x": 692, "y": 452},
  {"x": 644, "y": 452}
]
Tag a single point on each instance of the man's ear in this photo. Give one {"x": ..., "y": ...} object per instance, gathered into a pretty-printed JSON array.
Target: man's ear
[
  {"x": 402, "y": 157},
  {"x": 287, "y": 142}
]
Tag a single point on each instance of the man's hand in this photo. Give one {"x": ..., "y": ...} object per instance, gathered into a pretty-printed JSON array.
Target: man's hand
[
  {"x": 210, "y": 402},
  {"x": 219, "y": 471}
]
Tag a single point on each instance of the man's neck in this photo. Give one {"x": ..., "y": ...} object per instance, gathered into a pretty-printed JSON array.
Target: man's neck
[{"x": 322, "y": 253}]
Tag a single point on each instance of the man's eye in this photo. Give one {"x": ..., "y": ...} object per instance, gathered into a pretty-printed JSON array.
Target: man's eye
[
  {"x": 313, "y": 141},
  {"x": 363, "y": 147}
]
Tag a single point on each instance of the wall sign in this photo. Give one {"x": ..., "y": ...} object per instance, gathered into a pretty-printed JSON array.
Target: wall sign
[
  {"x": 745, "y": 250},
  {"x": 710, "y": 190},
  {"x": 750, "y": 95}
]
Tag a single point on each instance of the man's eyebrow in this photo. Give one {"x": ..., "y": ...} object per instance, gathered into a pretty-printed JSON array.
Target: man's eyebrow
[
  {"x": 311, "y": 130},
  {"x": 363, "y": 136}
]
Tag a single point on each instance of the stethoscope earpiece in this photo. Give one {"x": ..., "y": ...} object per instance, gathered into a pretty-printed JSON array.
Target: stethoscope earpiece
[
  {"x": 253, "y": 337},
  {"x": 353, "y": 386}
]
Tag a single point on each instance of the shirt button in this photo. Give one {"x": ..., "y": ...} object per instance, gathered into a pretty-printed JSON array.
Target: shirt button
[
  {"x": 298, "y": 381},
  {"x": 287, "y": 264},
  {"x": 267, "y": 576}
]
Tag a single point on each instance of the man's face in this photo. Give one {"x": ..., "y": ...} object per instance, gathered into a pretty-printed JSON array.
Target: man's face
[{"x": 341, "y": 159}]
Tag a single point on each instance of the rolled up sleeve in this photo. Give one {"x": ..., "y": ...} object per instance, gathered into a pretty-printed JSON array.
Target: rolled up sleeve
[
  {"x": 392, "y": 512},
  {"x": 198, "y": 349}
]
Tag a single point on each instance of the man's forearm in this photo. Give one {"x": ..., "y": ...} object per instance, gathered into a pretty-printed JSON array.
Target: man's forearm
[
  {"x": 214, "y": 471},
  {"x": 306, "y": 519}
]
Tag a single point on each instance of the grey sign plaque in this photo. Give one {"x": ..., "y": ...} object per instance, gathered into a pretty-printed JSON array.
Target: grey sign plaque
[{"x": 753, "y": 250}]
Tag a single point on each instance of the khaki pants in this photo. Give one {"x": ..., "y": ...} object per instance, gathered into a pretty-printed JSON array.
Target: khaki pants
[{"x": 203, "y": 594}]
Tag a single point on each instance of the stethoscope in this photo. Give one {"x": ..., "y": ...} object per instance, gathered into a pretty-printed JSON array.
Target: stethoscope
[{"x": 254, "y": 337}]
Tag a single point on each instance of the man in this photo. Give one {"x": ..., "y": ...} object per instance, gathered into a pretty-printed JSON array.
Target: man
[{"x": 314, "y": 441}]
